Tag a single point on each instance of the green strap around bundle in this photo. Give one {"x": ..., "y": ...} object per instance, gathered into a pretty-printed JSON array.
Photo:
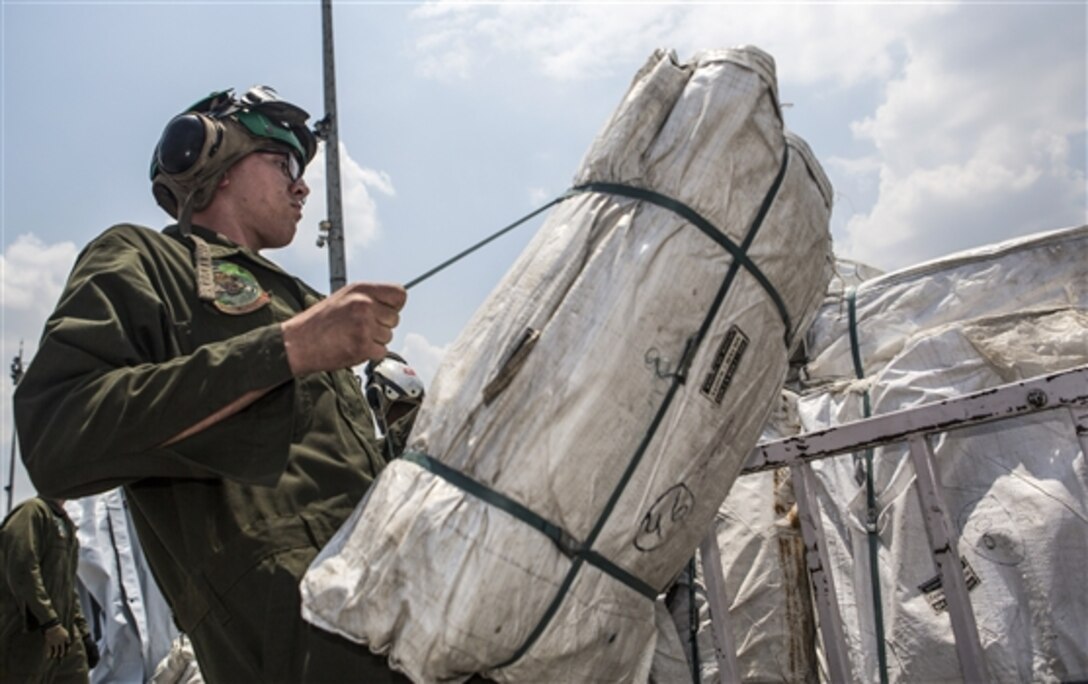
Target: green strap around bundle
[
  {"x": 581, "y": 551},
  {"x": 870, "y": 496},
  {"x": 739, "y": 253},
  {"x": 566, "y": 542},
  {"x": 678, "y": 378}
]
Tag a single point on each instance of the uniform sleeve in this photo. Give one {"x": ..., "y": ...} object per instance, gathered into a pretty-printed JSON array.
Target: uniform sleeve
[
  {"x": 109, "y": 385},
  {"x": 22, "y": 539},
  {"x": 79, "y": 623}
]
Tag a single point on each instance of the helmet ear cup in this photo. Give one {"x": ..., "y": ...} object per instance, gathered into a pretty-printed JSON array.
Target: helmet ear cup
[
  {"x": 181, "y": 143},
  {"x": 182, "y": 159},
  {"x": 187, "y": 141},
  {"x": 198, "y": 146}
]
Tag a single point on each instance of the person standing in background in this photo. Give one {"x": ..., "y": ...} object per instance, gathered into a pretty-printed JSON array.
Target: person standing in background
[{"x": 43, "y": 636}]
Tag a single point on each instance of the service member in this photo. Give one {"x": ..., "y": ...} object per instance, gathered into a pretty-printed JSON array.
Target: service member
[
  {"x": 43, "y": 636},
  {"x": 216, "y": 388}
]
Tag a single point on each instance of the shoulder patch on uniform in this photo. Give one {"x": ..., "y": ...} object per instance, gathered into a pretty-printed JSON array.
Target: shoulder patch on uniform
[{"x": 236, "y": 289}]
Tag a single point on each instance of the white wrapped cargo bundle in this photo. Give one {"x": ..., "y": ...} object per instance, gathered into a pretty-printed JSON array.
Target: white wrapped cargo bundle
[
  {"x": 1043, "y": 271},
  {"x": 771, "y": 615},
  {"x": 1017, "y": 490},
  {"x": 583, "y": 429}
]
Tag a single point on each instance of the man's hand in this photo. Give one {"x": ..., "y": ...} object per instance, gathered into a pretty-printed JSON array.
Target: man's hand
[
  {"x": 56, "y": 641},
  {"x": 354, "y": 324},
  {"x": 351, "y": 326}
]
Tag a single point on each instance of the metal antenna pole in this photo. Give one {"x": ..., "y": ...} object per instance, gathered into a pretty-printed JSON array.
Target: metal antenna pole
[
  {"x": 16, "y": 376},
  {"x": 333, "y": 227}
]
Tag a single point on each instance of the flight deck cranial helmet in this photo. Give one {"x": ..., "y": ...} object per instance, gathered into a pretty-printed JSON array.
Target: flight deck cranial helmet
[{"x": 199, "y": 145}]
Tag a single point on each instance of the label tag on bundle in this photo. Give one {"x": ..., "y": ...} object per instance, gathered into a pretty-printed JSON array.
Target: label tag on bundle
[{"x": 726, "y": 360}]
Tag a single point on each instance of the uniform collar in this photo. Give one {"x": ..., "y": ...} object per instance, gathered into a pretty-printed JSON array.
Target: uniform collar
[
  {"x": 222, "y": 247},
  {"x": 221, "y": 243}
]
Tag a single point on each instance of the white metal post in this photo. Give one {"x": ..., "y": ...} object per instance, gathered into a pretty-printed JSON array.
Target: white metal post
[
  {"x": 819, "y": 572},
  {"x": 1068, "y": 388},
  {"x": 1063, "y": 390},
  {"x": 725, "y": 647},
  {"x": 942, "y": 544}
]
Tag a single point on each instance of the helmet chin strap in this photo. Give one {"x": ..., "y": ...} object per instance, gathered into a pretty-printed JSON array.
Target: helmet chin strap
[{"x": 202, "y": 254}]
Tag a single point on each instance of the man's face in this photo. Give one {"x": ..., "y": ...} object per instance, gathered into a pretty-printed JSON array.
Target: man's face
[{"x": 267, "y": 202}]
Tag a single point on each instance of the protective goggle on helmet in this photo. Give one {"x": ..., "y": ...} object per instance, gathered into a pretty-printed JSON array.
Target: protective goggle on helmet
[{"x": 199, "y": 145}]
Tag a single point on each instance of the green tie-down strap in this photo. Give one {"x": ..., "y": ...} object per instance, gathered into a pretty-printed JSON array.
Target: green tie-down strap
[
  {"x": 566, "y": 542},
  {"x": 579, "y": 551},
  {"x": 738, "y": 252},
  {"x": 870, "y": 495}
]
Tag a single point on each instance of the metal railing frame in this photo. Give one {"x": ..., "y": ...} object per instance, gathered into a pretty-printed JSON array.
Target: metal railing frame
[{"x": 1067, "y": 390}]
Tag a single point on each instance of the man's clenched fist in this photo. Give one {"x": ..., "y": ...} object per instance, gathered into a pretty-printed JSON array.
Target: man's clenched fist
[{"x": 353, "y": 325}]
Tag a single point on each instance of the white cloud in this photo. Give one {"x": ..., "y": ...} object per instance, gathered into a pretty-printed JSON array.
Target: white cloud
[
  {"x": 562, "y": 42},
  {"x": 968, "y": 118},
  {"x": 422, "y": 356},
  {"x": 444, "y": 53},
  {"x": 591, "y": 40},
  {"x": 974, "y": 145},
  {"x": 32, "y": 275},
  {"x": 853, "y": 166},
  {"x": 841, "y": 45},
  {"x": 538, "y": 196},
  {"x": 361, "y": 223},
  {"x": 445, "y": 56}
]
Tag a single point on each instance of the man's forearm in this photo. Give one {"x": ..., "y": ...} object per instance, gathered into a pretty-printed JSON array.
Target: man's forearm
[{"x": 220, "y": 415}]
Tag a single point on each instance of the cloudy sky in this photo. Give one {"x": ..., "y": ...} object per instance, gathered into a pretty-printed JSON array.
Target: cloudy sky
[{"x": 942, "y": 126}]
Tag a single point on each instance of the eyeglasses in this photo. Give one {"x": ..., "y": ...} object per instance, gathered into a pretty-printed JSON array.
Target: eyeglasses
[{"x": 288, "y": 163}]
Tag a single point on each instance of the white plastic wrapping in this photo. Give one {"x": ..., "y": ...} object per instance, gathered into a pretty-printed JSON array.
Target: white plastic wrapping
[
  {"x": 612, "y": 384},
  {"x": 127, "y": 614},
  {"x": 1044, "y": 271},
  {"x": 1017, "y": 490},
  {"x": 771, "y": 616}
]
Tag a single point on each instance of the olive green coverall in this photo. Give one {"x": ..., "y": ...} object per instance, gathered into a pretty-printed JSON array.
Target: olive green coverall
[
  {"x": 39, "y": 554},
  {"x": 230, "y": 517}
]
